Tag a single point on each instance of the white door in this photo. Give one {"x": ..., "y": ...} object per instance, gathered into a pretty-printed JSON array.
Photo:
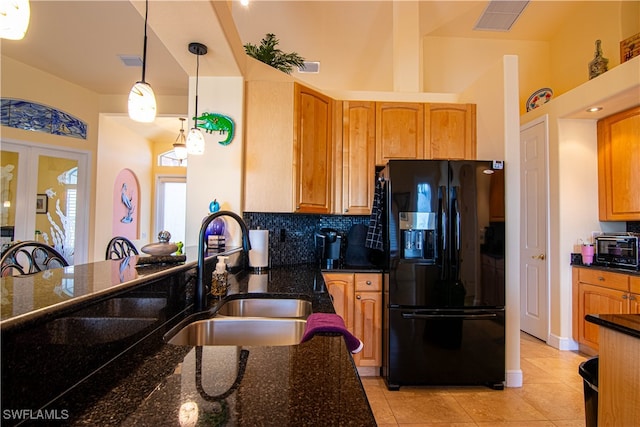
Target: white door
[
  {"x": 534, "y": 283},
  {"x": 44, "y": 194}
]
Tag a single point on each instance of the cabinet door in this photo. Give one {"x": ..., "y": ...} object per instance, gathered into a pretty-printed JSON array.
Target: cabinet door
[
  {"x": 597, "y": 300},
  {"x": 340, "y": 287},
  {"x": 450, "y": 131},
  {"x": 268, "y": 171},
  {"x": 399, "y": 131},
  {"x": 312, "y": 150},
  {"x": 618, "y": 159},
  {"x": 368, "y": 328},
  {"x": 634, "y": 303},
  {"x": 358, "y": 152}
]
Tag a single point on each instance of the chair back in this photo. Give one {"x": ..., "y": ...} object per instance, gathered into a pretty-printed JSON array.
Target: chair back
[
  {"x": 120, "y": 247},
  {"x": 29, "y": 257}
]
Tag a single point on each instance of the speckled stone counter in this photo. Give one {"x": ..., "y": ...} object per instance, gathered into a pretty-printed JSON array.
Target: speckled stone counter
[
  {"x": 628, "y": 324},
  {"x": 153, "y": 383}
]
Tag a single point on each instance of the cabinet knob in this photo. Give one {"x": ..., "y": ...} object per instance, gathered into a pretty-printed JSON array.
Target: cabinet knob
[
  {"x": 600, "y": 278},
  {"x": 625, "y": 296},
  {"x": 632, "y": 298},
  {"x": 297, "y": 208},
  {"x": 369, "y": 282},
  {"x": 358, "y": 297},
  {"x": 346, "y": 210}
]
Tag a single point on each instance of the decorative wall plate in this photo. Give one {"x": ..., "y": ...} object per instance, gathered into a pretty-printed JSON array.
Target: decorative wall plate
[{"x": 539, "y": 97}]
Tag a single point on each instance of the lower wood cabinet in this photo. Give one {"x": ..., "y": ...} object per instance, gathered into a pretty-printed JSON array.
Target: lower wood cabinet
[
  {"x": 600, "y": 292},
  {"x": 357, "y": 297}
]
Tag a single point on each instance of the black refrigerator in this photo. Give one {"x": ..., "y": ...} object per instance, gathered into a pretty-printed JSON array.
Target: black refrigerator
[{"x": 443, "y": 299}]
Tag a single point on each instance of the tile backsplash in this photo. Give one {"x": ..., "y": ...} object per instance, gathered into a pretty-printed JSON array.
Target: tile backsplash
[{"x": 291, "y": 236}]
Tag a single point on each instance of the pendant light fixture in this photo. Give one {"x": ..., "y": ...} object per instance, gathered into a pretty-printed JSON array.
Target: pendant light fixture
[
  {"x": 142, "y": 100},
  {"x": 195, "y": 139},
  {"x": 180, "y": 146},
  {"x": 14, "y": 19}
]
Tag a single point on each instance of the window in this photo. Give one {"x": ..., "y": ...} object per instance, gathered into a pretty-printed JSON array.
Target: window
[
  {"x": 169, "y": 159},
  {"x": 171, "y": 206}
]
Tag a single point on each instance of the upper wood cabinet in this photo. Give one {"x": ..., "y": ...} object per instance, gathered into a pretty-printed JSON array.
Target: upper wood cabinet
[
  {"x": 425, "y": 131},
  {"x": 313, "y": 139},
  {"x": 399, "y": 131},
  {"x": 618, "y": 160},
  {"x": 358, "y": 157},
  {"x": 288, "y": 148},
  {"x": 450, "y": 131}
]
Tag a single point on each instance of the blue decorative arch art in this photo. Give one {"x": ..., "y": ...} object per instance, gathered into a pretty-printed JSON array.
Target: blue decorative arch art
[{"x": 27, "y": 115}]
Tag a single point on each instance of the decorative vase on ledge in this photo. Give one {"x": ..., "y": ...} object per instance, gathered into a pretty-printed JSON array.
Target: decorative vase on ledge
[{"x": 599, "y": 64}]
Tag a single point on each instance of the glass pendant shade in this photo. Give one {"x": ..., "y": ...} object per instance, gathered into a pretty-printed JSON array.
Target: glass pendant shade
[
  {"x": 195, "y": 142},
  {"x": 142, "y": 103},
  {"x": 180, "y": 146},
  {"x": 14, "y": 19}
]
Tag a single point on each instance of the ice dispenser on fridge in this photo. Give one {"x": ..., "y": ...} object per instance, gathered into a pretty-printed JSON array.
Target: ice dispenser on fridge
[{"x": 417, "y": 234}]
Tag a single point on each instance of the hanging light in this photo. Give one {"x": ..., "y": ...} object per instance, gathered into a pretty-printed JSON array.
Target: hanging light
[
  {"x": 180, "y": 146},
  {"x": 142, "y": 100},
  {"x": 195, "y": 139},
  {"x": 14, "y": 19}
]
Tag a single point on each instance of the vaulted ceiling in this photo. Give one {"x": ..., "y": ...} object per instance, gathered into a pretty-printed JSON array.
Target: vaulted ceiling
[{"x": 81, "y": 41}]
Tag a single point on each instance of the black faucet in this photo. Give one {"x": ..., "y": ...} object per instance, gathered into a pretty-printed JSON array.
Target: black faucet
[{"x": 201, "y": 293}]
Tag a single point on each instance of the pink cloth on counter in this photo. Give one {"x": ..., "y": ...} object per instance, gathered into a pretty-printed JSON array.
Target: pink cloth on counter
[{"x": 329, "y": 322}]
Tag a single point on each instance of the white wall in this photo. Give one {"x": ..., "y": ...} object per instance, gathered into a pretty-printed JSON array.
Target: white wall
[
  {"x": 573, "y": 202},
  {"x": 120, "y": 148},
  {"x": 217, "y": 174}
]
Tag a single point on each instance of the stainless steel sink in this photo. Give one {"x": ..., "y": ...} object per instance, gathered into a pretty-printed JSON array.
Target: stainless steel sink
[
  {"x": 266, "y": 307},
  {"x": 241, "y": 331}
]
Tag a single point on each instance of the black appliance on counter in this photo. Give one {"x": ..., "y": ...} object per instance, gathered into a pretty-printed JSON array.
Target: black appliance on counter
[
  {"x": 328, "y": 244},
  {"x": 444, "y": 321}
]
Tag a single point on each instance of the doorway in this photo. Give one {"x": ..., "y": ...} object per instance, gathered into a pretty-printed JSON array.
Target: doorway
[
  {"x": 44, "y": 197},
  {"x": 534, "y": 278}
]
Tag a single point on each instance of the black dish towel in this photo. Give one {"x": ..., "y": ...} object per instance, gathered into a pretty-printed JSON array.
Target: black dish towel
[{"x": 374, "y": 233}]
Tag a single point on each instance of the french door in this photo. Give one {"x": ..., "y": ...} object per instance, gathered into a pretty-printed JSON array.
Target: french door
[{"x": 44, "y": 195}]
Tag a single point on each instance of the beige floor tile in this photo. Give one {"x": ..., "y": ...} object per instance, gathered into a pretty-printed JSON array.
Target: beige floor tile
[
  {"x": 558, "y": 402},
  {"x": 517, "y": 424},
  {"x": 418, "y": 408},
  {"x": 499, "y": 406},
  {"x": 552, "y": 395}
]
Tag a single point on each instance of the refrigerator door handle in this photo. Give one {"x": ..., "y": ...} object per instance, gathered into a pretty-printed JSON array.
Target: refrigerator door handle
[
  {"x": 444, "y": 211},
  {"x": 449, "y": 316}
]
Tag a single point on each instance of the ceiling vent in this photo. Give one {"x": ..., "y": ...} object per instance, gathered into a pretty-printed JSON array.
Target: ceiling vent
[
  {"x": 310, "y": 67},
  {"x": 500, "y": 15},
  {"x": 131, "y": 60}
]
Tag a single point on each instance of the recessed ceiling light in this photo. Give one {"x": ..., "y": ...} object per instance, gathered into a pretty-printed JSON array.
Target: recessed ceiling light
[{"x": 594, "y": 109}]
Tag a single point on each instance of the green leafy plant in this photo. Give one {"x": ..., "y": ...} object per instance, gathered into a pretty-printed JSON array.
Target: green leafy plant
[{"x": 268, "y": 53}]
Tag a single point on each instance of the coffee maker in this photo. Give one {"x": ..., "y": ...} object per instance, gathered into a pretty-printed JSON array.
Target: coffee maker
[{"x": 328, "y": 247}]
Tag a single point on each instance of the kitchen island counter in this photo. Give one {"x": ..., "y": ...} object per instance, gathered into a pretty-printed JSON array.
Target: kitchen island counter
[
  {"x": 618, "y": 368},
  {"x": 153, "y": 383}
]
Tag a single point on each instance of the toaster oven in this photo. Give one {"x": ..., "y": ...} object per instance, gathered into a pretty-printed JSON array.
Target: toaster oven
[{"x": 617, "y": 250}]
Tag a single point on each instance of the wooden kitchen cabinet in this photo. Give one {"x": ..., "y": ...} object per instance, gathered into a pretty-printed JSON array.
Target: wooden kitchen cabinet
[
  {"x": 421, "y": 131},
  {"x": 312, "y": 147},
  {"x": 599, "y": 292},
  {"x": 288, "y": 148},
  {"x": 450, "y": 131},
  {"x": 618, "y": 160},
  {"x": 358, "y": 157},
  {"x": 357, "y": 297},
  {"x": 341, "y": 287},
  {"x": 399, "y": 131}
]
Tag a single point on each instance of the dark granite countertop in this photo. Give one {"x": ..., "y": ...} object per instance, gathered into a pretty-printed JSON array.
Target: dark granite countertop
[
  {"x": 609, "y": 269},
  {"x": 153, "y": 383},
  {"x": 44, "y": 295},
  {"x": 313, "y": 383},
  {"x": 628, "y": 324}
]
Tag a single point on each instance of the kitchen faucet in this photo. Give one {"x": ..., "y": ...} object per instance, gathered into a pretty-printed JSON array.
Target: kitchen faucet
[{"x": 201, "y": 293}]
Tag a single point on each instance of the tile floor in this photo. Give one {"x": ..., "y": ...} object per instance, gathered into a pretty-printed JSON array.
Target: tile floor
[{"x": 551, "y": 395}]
